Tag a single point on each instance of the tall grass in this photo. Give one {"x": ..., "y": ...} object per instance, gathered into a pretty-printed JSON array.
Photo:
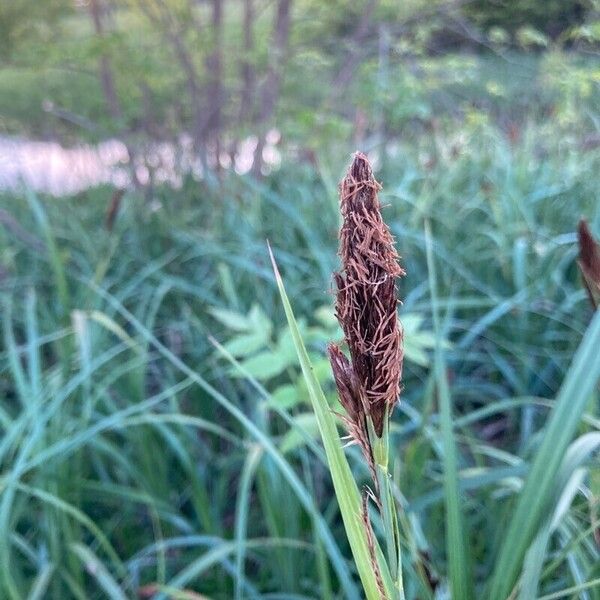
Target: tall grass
[{"x": 139, "y": 458}]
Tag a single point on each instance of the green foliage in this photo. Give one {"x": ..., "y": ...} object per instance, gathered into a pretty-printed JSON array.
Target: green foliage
[
  {"x": 131, "y": 444},
  {"x": 26, "y": 21},
  {"x": 551, "y": 17},
  {"x": 265, "y": 355},
  {"x": 135, "y": 450},
  {"x": 51, "y": 84}
]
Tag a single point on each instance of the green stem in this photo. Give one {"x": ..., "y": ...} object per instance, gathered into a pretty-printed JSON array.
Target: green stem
[{"x": 388, "y": 506}]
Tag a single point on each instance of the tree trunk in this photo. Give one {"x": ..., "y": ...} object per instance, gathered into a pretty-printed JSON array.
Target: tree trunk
[
  {"x": 171, "y": 30},
  {"x": 215, "y": 88},
  {"x": 106, "y": 76},
  {"x": 270, "y": 92},
  {"x": 248, "y": 77},
  {"x": 107, "y": 81},
  {"x": 248, "y": 74},
  {"x": 346, "y": 71}
]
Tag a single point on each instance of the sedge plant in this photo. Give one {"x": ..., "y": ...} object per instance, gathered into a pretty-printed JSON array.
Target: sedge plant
[{"x": 368, "y": 381}]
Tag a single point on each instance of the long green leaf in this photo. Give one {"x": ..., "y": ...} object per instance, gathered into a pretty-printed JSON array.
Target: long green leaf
[
  {"x": 241, "y": 514},
  {"x": 568, "y": 481},
  {"x": 56, "y": 261},
  {"x": 345, "y": 487},
  {"x": 99, "y": 571},
  {"x": 39, "y": 587},
  {"x": 459, "y": 563},
  {"x": 534, "y": 499}
]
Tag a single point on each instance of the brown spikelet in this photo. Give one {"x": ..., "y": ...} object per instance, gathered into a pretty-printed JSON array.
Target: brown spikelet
[
  {"x": 589, "y": 262},
  {"x": 113, "y": 209},
  {"x": 366, "y": 301},
  {"x": 354, "y": 404}
]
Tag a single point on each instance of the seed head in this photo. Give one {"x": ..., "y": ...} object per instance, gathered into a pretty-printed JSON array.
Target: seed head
[{"x": 366, "y": 302}]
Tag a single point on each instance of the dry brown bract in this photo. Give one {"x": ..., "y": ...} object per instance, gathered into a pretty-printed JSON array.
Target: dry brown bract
[
  {"x": 589, "y": 262},
  {"x": 369, "y": 383}
]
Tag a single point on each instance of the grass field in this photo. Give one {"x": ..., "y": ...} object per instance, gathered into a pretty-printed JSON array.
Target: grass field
[{"x": 157, "y": 435}]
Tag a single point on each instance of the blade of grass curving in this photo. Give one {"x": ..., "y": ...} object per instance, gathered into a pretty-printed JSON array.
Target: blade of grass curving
[
  {"x": 293, "y": 423},
  {"x": 346, "y": 490},
  {"x": 66, "y": 445},
  {"x": 10, "y": 482},
  {"x": 220, "y": 552},
  {"x": 39, "y": 588},
  {"x": 535, "y": 497},
  {"x": 568, "y": 481},
  {"x": 178, "y": 545},
  {"x": 121, "y": 493},
  {"x": 97, "y": 569},
  {"x": 122, "y": 420},
  {"x": 572, "y": 545},
  {"x": 457, "y": 550},
  {"x": 583, "y": 560},
  {"x": 534, "y": 559},
  {"x": 75, "y": 587},
  {"x": 514, "y": 403},
  {"x": 78, "y": 516},
  {"x": 56, "y": 262},
  {"x": 572, "y": 591},
  {"x": 241, "y": 514}
]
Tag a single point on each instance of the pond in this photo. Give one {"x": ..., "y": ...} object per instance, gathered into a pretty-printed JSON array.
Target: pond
[{"x": 51, "y": 168}]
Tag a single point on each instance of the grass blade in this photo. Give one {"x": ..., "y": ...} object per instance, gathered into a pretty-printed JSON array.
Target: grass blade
[
  {"x": 570, "y": 592},
  {"x": 459, "y": 563},
  {"x": 535, "y": 497},
  {"x": 568, "y": 480},
  {"x": 346, "y": 490},
  {"x": 98, "y": 570},
  {"x": 39, "y": 588},
  {"x": 241, "y": 514},
  {"x": 56, "y": 262}
]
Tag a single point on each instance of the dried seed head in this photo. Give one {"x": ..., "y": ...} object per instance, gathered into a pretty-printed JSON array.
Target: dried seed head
[
  {"x": 354, "y": 403},
  {"x": 589, "y": 262},
  {"x": 366, "y": 302}
]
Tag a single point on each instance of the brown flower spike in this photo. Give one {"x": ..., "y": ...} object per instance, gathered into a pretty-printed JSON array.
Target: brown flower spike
[{"x": 369, "y": 383}]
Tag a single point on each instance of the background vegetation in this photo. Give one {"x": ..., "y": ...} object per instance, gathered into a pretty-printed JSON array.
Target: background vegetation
[{"x": 156, "y": 434}]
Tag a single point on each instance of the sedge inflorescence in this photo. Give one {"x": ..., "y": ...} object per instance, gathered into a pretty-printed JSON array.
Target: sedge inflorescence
[{"x": 368, "y": 382}]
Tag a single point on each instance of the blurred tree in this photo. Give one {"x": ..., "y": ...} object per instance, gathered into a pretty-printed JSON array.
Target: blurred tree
[
  {"x": 206, "y": 75},
  {"x": 28, "y": 21},
  {"x": 97, "y": 10},
  {"x": 214, "y": 65},
  {"x": 248, "y": 71},
  {"x": 271, "y": 87},
  {"x": 551, "y": 17}
]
